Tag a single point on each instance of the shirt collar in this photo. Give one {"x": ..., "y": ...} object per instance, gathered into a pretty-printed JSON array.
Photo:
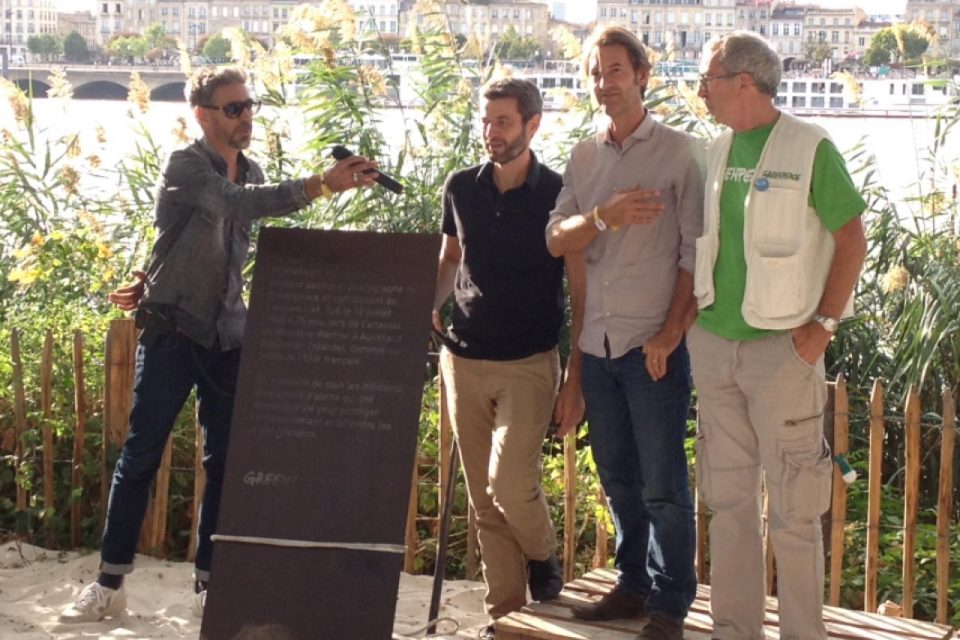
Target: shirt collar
[
  {"x": 485, "y": 175},
  {"x": 643, "y": 132},
  {"x": 219, "y": 164}
]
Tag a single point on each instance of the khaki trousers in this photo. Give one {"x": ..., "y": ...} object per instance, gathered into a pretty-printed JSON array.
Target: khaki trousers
[
  {"x": 500, "y": 411},
  {"x": 761, "y": 406}
]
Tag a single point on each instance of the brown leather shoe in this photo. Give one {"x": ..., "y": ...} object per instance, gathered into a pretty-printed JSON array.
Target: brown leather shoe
[
  {"x": 660, "y": 627},
  {"x": 613, "y": 605}
]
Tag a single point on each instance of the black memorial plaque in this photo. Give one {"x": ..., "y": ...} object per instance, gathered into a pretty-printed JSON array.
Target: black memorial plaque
[{"x": 323, "y": 438}]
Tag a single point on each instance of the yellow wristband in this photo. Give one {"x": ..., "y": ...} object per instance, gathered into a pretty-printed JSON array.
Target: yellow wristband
[{"x": 325, "y": 189}]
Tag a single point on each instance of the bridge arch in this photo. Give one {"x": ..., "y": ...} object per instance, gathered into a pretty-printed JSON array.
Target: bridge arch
[
  {"x": 170, "y": 92},
  {"x": 38, "y": 88},
  {"x": 101, "y": 90}
]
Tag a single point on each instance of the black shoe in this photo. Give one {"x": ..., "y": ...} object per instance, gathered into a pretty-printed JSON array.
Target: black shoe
[
  {"x": 487, "y": 633},
  {"x": 546, "y": 578},
  {"x": 660, "y": 627},
  {"x": 618, "y": 603}
]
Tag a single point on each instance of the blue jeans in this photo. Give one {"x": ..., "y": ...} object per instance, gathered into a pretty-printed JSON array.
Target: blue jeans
[
  {"x": 637, "y": 432},
  {"x": 165, "y": 373}
]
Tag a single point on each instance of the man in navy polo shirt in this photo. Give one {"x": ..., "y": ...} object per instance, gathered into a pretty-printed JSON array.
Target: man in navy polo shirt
[{"x": 500, "y": 361}]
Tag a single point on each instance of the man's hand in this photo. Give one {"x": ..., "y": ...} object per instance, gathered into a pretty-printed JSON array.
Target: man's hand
[
  {"x": 810, "y": 340},
  {"x": 349, "y": 173},
  {"x": 128, "y": 298},
  {"x": 568, "y": 408},
  {"x": 658, "y": 348},
  {"x": 634, "y": 206}
]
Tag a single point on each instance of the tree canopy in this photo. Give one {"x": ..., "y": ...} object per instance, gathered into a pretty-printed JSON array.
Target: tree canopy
[
  {"x": 46, "y": 45},
  {"x": 513, "y": 46},
  {"x": 127, "y": 46},
  {"x": 216, "y": 47},
  {"x": 75, "y": 48},
  {"x": 817, "y": 51},
  {"x": 898, "y": 43}
]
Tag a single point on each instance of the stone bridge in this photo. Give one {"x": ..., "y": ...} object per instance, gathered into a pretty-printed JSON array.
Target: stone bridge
[{"x": 100, "y": 82}]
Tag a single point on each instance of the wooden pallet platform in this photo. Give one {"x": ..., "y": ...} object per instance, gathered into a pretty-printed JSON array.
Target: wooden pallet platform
[{"x": 555, "y": 621}]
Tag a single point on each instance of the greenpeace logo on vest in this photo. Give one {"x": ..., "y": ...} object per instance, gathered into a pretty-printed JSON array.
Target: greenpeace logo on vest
[
  {"x": 781, "y": 175},
  {"x": 742, "y": 174}
]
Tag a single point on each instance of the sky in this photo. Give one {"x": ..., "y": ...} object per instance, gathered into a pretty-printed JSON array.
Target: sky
[{"x": 585, "y": 10}]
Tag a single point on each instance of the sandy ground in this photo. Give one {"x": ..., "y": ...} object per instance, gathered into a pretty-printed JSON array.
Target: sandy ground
[{"x": 35, "y": 584}]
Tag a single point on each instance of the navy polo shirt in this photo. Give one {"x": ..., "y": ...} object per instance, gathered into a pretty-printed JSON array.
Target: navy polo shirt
[{"x": 509, "y": 289}]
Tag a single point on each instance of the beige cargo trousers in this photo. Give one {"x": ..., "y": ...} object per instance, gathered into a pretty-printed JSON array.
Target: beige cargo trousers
[{"x": 761, "y": 408}]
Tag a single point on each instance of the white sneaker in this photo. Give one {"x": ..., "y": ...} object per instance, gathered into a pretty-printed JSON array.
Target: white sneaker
[
  {"x": 95, "y": 603},
  {"x": 199, "y": 602}
]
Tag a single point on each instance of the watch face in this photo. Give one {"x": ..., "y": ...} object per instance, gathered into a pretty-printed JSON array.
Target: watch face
[{"x": 830, "y": 324}]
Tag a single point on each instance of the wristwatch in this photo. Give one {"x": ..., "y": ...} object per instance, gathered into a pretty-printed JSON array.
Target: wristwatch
[
  {"x": 598, "y": 221},
  {"x": 829, "y": 324}
]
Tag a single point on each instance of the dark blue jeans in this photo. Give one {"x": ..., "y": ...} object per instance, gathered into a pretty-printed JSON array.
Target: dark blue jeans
[
  {"x": 637, "y": 432},
  {"x": 165, "y": 373}
]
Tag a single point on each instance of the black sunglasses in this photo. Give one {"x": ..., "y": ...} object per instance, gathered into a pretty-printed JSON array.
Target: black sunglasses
[{"x": 234, "y": 109}]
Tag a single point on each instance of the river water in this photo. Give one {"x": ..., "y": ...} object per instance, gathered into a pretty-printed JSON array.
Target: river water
[{"x": 900, "y": 145}]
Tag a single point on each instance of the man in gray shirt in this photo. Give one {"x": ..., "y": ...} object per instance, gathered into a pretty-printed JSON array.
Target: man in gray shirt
[
  {"x": 638, "y": 244},
  {"x": 192, "y": 316}
]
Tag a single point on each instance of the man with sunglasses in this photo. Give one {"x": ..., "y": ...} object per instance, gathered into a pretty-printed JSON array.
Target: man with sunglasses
[
  {"x": 782, "y": 249},
  {"x": 192, "y": 315}
]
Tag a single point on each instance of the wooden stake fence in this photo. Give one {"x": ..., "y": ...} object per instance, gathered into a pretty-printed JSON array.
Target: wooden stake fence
[
  {"x": 569, "y": 506},
  {"x": 119, "y": 362},
  {"x": 19, "y": 413},
  {"x": 838, "y": 519},
  {"x": 945, "y": 506},
  {"x": 46, "y": 404},
  {"x": 873, "y": 498},
  {"x": 79, "y": 432},
  {"x": 119, "y": 358},
  {"x": 912, "y": 453}
]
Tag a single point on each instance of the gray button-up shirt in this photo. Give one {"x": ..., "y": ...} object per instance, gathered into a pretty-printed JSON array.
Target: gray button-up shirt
[
  {"x": 203, "y": 221},
  {"x": 632, "y": 271}
]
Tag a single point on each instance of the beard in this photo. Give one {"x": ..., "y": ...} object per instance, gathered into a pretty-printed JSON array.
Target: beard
[
  {"x": 240, "y": 138},
  {"x": 510, "y": 151}
]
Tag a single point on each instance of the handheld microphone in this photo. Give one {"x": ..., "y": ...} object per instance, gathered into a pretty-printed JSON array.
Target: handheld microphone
[{"x": 383, "y": 179}]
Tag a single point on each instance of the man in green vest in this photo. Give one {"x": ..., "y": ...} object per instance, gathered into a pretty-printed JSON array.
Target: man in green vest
[{"x": 782, "y": 249}]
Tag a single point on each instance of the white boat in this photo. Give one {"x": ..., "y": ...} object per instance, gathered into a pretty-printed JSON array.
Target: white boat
[{"x": 846, "y": 95}]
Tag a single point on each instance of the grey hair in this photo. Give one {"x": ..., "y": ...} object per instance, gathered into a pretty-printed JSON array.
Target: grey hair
[
  {"x": 206, "y": 80},
  {"x": 746, "y": 52}
]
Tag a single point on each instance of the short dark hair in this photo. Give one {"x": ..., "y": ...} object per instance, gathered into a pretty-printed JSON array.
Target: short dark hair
[
  {"x": 626, "y": 39},
  {"x": 529, "y": 100},
  {"x": 206, "y": 80}
]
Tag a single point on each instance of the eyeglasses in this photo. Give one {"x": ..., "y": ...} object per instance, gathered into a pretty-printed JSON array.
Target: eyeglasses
[
  {"x": 705, "y": 79},
  {"x": 233, "y": 109}
]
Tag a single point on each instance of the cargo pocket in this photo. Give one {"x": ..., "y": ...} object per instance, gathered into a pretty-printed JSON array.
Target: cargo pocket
[{"x": 805, "y": 482}]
